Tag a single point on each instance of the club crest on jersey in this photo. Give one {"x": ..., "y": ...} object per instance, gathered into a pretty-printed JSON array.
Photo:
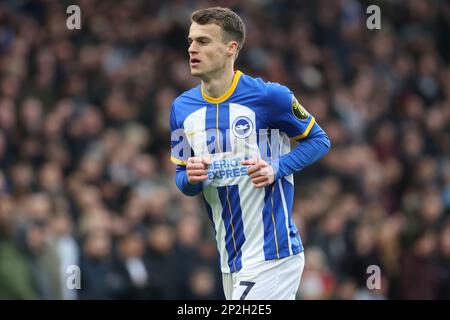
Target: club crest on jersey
[
  {"x": 242, "y": 127},
  {"x": 298, "y": 110}
]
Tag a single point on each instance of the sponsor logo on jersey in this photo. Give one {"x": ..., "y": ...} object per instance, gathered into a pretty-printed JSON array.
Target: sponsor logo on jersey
[{"x": 226, "y": 168}]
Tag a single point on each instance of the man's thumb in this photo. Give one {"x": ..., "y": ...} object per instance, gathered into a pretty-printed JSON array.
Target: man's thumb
[{"x": 206, "y": 160}]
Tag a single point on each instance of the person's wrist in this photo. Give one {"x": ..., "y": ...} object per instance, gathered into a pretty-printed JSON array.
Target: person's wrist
[
  {"x": 275, "y": 167},
  {"x": 192, "y": 182}
]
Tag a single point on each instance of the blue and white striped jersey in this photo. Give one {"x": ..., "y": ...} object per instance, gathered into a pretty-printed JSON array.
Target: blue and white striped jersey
[{"x": 252, "y": 119}]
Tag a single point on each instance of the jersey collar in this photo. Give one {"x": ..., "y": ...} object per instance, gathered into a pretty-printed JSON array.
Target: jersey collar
[{"x": 227, "y": 94}]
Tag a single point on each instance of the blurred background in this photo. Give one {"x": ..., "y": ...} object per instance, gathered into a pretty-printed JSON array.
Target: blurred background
[{"x": 85, "y": 176}]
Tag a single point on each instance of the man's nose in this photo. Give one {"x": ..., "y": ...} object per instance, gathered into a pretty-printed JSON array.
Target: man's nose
[{"x": 193, "y": 48}]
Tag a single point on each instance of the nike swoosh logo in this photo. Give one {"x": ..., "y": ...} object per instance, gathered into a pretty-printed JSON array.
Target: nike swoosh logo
[{"x": 190, "y": 134}]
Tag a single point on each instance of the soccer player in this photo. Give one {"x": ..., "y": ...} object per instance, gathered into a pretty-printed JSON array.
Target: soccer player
[{"x": 231, "y": 142}]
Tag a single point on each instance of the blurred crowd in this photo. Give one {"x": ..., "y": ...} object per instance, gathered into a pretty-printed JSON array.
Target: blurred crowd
[{"x": 85, "y": 176}]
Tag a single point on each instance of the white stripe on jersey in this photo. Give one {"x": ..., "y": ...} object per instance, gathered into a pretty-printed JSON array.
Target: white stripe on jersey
[
  {"x": 212, "y": 197},
  {"x": 252, "y": 199},
  {"x": 194, "y": 128},
  {"x": 252, "y": 204},
  {"x": 248, "y": 146}
]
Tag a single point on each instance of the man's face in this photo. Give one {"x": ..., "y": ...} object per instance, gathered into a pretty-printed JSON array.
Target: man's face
[{"x": 207, "y": 51}]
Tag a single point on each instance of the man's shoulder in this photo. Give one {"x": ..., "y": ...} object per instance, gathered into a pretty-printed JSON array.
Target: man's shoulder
[
  {"x": 188, "y": 97},
  {"x": 253, "y": 83},
  {"x": 262, "y": 86}
]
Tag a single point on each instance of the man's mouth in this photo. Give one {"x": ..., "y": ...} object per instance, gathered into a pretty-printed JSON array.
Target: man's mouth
[{"x": 195, "y": 61}]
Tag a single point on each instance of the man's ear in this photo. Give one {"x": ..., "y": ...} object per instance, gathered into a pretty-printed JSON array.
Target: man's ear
[{"x": 232, "y": 48}]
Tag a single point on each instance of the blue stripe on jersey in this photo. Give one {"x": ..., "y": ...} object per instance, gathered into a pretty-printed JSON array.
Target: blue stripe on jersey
[
  {"x": 268, "y": 142},
  {"x": 217, "y": 116},
  {"x": 210, "y": 215},
  {"x": 263, "y": 141},
  {"x": 234, "y": 227},
  {"x": 224, "y": 125},
  {"x": 288, "y": 190},
  {"x": 280, "y": 222},
  {"x": 270, "y": 238},
  {"x": 274, "y": 236},
  {"x": 296, "y": 243}
]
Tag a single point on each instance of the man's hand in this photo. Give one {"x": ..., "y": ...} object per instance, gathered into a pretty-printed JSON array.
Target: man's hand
[
  {"x": 260, "y": 171},
  {"x": 197, "y": 169}
]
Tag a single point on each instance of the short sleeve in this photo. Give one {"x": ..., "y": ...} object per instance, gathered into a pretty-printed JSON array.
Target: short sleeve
[
  {"x": 284, "y": 112},
  {"x": 180, "y": 148}
]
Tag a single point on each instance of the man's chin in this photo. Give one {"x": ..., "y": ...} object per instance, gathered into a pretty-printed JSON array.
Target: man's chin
[{"x": 196, "y": 72}]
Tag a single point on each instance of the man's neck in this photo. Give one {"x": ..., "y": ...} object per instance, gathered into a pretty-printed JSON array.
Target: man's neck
[{"x": 215, "y": 87}]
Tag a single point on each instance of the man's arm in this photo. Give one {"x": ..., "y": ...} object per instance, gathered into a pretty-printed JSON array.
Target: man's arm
[
  {"x": 189, "y": 178},
  {"x": 285, "y": 113},
  {"x": 187, "y": 188},
  {"x": 305, "y": 153},
  {"x": 179, "y": 155},
  {"x": 313, "y": 148},
  {"x": 191, "y": 171}
]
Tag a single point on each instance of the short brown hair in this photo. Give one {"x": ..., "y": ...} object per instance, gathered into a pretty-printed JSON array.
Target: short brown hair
[{"x": 231, "y": 24}]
